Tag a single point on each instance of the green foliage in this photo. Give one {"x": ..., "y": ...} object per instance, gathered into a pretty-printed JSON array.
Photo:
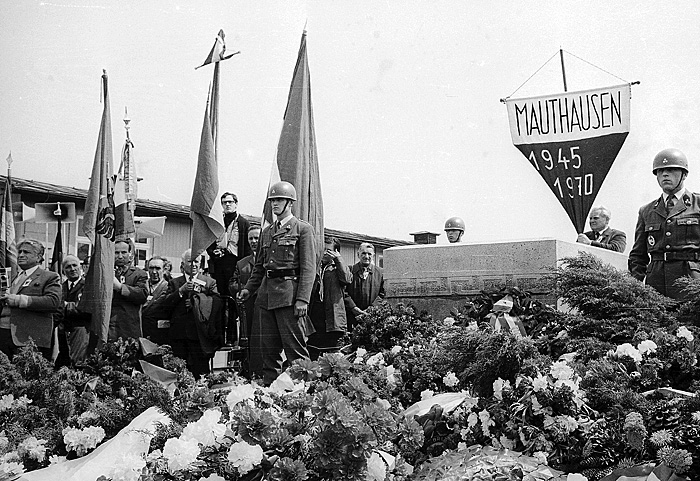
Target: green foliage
[{"x": 386, "y": 326}]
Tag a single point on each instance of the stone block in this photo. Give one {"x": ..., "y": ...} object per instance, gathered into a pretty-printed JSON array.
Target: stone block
[{"x": 437, "y": 278}]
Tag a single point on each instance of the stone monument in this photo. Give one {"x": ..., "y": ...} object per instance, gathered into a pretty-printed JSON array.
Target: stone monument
[{"x": 436, "y": 278}]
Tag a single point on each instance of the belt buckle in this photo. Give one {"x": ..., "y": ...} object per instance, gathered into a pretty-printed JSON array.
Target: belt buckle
[
  {"x": 267, "y": 273},
  {"x": 666, "y": 259}
]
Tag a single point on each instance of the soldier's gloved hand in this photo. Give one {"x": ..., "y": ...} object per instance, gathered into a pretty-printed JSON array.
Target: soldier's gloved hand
[
  {"x": 243, "y": 295},
  {"x": 300, "y": 308}
]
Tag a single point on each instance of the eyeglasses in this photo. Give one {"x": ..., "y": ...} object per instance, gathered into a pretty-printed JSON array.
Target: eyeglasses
[{"x": 228, "y": 202}]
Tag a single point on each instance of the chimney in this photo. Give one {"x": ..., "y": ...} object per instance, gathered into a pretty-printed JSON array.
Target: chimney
[{"x": 425, "y": 237}]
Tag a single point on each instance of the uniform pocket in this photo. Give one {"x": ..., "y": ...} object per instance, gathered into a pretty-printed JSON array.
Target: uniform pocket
[
  {"x": 287, "y": 246},
  {"x": 689, "y": 228}
]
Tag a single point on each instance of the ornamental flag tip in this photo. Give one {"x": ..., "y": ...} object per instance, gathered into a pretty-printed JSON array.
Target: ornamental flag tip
[{"x": 218, "y": 51}]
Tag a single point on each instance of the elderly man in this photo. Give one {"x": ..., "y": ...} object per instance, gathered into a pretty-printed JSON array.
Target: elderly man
[
  {"x": 75, "y": 323},
  {"x": 367, "y": 286},
  {"x": 225, "y": 253},
  {"x": 244, "y": 268},
  {"x": 195, "y": 305},
  {"x": 667, "y": 236},
  {"x": 283, "y": 277},
  {"x": 130, "y": 292},
  {"x": 30, "y": 302},
  {"x": 155, "y": 315},
  {"x": 600, "y": 234}
]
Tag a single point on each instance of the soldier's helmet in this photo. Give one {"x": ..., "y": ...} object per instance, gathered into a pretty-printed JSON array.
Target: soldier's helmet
[
  {"x": 455, "y": 223},
  {"x": 670, "y": 158},
  {"x": 282, "y": 190}
]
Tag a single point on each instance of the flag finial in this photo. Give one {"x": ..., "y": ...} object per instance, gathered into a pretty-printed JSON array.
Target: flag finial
[
  {"x": 126, "y": 122},
  {"x": 9, "y": 160}
]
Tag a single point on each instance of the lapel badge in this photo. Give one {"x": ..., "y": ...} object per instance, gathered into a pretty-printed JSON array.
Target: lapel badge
[
  {"x": 651, "y": 240},
  {"x": 27, "y": 282}
]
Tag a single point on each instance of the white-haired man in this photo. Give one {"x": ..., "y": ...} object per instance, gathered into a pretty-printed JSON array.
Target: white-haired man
[{"x": 601, "y": 235}]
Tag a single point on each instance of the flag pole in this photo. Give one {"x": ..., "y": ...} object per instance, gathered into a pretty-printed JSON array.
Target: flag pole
[{"x": 563, "y": 70}]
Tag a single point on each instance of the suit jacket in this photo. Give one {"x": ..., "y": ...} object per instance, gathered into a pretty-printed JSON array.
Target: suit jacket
[
  {"x": 154, "y": 310},
  {"x": 222, "y": 267},
  {"x": 125, "y": 320},
  {"x": 354, "y": 290},
  {"x": 68, "y": 313},
  {"x": 289, "y": 248},
  {"x": 182, "y": 320},
  {"x": 611, "y": 239},
  {"x": 244, "y": 269},
  {"x": 36, "y": 320}
]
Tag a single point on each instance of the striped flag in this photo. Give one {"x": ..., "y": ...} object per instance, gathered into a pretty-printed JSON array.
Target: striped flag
[
  {"x": 125, "y": 194},
  {"x": 8, "y": 244},
  {"x": 205, "y": 209},
  {"x": 218, "y": 51},
  {"x": 98, "y": 224},
  {"x": 297, "y": 160}
]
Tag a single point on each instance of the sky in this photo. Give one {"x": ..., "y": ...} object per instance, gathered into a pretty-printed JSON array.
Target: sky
[{"x": 406, "y": 97}]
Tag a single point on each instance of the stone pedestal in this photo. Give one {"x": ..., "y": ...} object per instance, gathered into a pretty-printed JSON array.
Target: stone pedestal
[{"x": 437, "y": 278}]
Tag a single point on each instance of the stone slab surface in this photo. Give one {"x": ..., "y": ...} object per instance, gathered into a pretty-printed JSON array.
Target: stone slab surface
[{"x": 438, "y": 277}]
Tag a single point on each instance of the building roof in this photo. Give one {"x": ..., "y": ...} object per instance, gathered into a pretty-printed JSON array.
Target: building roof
[{"x": 52, "y": 192}]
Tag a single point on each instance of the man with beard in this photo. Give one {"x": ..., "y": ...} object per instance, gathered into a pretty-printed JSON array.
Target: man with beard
[
  {"x": 224, "y": 255},
  {"x": 130, "y": 292}
]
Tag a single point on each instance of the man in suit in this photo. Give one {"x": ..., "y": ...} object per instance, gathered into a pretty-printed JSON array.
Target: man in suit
[
  {"x": 188, "y": 295},
  {"x": 30, "y": 302},
  {"x": 225, "y": 253},
  {"x": 367, "y": 286},
  {"x": 155, "y": 315},
  {"x": 283, "y": 277},
  {"x": 244, "y": 268},
  {"x": 667, "y": 237},
  {"x": 130, "y": 292},
  {"x": 75, "y": 323},
  {"x": 600, "y": 234}
]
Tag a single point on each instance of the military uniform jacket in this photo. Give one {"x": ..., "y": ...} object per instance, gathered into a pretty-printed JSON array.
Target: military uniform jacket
[
  {"x": 36, "y": 321},
  {"x": 658, "y": 232},
  {"x": 611, "y": 239},
  {"x": 289, "y": 248}
]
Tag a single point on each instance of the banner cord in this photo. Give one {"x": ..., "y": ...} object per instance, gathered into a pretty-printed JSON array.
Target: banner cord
[
  {"x": 503, "y": 100},
  {"x": 530, "y": 77}
]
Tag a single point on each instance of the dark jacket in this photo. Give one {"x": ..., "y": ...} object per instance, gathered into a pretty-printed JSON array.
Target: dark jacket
[
  {"x": 125, "y": 320},
  {"x": 154, "y": 310},
  {"x": 222, "y": 263},
  {"x": 353, "y": 295},
  {"x": 329, "y": 314},
  {"x": 667, "y": 246},
  {"x": 68, "y": 313},
  {"x": 611, "y": 239},
  {"x": 36, "y": 320}
]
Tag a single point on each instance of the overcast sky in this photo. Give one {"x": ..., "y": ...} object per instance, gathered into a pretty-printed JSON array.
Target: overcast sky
[{"x": 409, "y": 126}]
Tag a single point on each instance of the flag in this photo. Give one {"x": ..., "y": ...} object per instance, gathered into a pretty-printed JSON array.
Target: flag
[
  {"x": 297, "y": 160},
  {"x": 205, "y": 208},
  {"x": 98, "y": 223},
  {"x": 57, "y": 254},
  {"x": 8, "y": 244},
  {"x": 572, "y": 139},
  {"x": 125, "y": 195},
  {"x": 218, "y": 51}
]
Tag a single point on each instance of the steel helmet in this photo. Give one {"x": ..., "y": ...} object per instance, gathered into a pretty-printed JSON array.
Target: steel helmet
[
  {"x": 282, "y": 190},
  {"x": 670, "y": 158},
  {"x": 455, "y": 223}
]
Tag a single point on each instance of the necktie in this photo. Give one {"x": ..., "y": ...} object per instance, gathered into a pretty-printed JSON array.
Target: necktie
[
  {"x": 670, "y": 202},
  {"x": 19, "y": 280},
  {"x": 597, "y": 235}
]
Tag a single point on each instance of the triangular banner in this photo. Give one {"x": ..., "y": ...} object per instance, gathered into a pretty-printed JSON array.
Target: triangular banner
[{"x": 572, "y": 139}]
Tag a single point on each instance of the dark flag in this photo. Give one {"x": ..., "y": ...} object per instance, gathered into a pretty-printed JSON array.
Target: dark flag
[
  {"x": 57, "y": 254},
  {"x": 98, "y": 223},
  {"x": 572, "y": 139},
  {"x": 297, "y": 160},
  {"x": 8, "y": 245}
]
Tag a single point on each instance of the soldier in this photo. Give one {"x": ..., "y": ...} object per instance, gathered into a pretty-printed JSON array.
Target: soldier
[
  {"x": 667, "y": 236},
  {"x": 454, "y": 229},
  {"x": 283, "y": 277}
]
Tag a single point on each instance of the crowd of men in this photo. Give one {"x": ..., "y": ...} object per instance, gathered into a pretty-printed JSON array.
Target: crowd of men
[
  {"x": 260, "y": 285},
  {"x": 265, "y": 285}
]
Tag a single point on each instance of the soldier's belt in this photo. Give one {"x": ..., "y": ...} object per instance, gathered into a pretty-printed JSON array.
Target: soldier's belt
[
  {"x": 274, "y": 273},
  {"x": 675, "y": 256}
]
